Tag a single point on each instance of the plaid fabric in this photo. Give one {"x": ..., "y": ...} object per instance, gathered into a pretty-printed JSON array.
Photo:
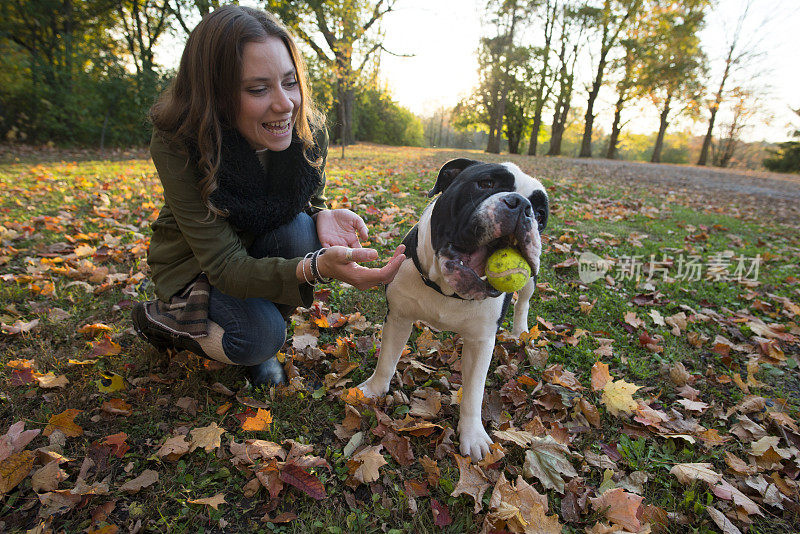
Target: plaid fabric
[{"x": 186, "y": 314}]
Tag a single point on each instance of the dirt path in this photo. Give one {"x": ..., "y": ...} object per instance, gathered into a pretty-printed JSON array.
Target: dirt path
[{"x": 761, "y": 196}]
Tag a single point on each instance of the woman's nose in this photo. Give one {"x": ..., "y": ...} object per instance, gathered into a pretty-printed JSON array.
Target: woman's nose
[{"x": 282, "y": 102}]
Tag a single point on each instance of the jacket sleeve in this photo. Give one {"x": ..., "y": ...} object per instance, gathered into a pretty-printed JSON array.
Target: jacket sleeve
[{"x": 215, "y": 243}]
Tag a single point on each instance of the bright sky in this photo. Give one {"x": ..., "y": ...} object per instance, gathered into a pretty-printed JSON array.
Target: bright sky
[{"x": 443, "y": 36}]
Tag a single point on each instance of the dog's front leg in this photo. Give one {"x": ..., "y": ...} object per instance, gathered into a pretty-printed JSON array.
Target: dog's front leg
[
  {"x": 396, "y": 331},
  {"x": 521, "y": 308},
  {"x": 475, "y": 358}
]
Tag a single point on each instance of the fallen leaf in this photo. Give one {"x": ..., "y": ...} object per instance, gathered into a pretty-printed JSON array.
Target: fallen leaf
[
  {"x": 213, "y": 502},
  {"x": 116, "y": 407},
  {"x": 303, "y": 480},
  {"x": 207, "y": 437},
  {"x": 118, "y": 444},
  {"x": 110, "y": 382},
  {"x": 432, "y": 472},
  {"x": 618, "y": 397},
  {"x": 260, "y": 421},
  {"x": 174, "y": 448},
  {"x": 50, "y": 380},
  {"x": 14, "y": 469},
  {"x": 147, "y": 478},
  {"x": 724, "y": 524},
  {"x": 365, "y": 464},
  {"x": 547, "y": 461},
  {"x": 521, "y": 508},
  {"x": 619, "y": 507},
  {"x": 472, "y": 481},
  {"x": 16, "y": 439},
  {"x": 441, "y": 515},
  {"x": 65, "y": 422},
  {"x": 600, "y": 376}
]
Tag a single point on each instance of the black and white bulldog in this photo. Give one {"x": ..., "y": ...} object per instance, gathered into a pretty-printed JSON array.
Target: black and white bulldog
[{"x": 482, "y": 207}]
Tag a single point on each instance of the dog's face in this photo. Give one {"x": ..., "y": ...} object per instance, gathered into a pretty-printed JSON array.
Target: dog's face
[{"x": 484, "y": 207}]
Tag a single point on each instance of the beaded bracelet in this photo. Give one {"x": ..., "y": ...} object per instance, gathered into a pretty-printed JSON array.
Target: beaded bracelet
[{"x": 314, "y": 270}]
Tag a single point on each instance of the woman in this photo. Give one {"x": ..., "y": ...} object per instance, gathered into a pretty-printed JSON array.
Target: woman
[{"x": 240, "y": 151}]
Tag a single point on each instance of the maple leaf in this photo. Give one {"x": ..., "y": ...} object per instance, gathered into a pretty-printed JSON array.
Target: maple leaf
[
  {"x": 618, "y": 397},
  {"x": 14, "y": 469},
  {"x": 547, "y": 461},
  {"x": 18, "y": 327},
  {"x": 689, "y": 472},
  {"x": 260, "y": 421},
  {"x": 472, "y": 481},
  {"x": 364, "y": 465},
  {"x": 432, "y": 471},
  {"x": 619, "y": 507},
  {"x": 116, "y": 407},
  {"x": 521, "y": 508},
  {"x": 600, "y": 376},
  {"x": 518, "y": 437},
  {"x": 213, "y": 502},
  {"x": 118, "y": 444},
  {"x": 303, "y": 480},
  {"x": 555, "y": 374},
  {"x": 173, "y": 448},
  {"x": 399, "y": 447},
  {"x": 355, "y": 397},
  {"x": 632, "y": 319},
  {"x": 105, "y": 347},
  {"x": 65, "y": 422},
  {"x": 207, "y": 437},
  {"x": 147, "y": 478},
  {"x": 15, "y": 439},
  {"x": 47, "y": 477},
  {"x": 94, "y": 330}
]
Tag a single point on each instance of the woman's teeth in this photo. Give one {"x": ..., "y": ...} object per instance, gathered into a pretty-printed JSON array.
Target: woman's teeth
[{"x": 278, "y": 127}]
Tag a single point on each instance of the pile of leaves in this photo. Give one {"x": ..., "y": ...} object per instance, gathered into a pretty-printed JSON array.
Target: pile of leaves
[{"x": 632, "y": 405}]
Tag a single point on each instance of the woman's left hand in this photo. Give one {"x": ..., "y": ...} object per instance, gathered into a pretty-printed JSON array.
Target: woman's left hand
[{"x": 340, "y": 227}]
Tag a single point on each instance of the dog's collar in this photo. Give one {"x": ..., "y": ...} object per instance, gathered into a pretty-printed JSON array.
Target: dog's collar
[{"x": 410, "y": 241}]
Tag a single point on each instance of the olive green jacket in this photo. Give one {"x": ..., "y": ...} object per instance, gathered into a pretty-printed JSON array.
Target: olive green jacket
[{"x": 188, "y": 240}]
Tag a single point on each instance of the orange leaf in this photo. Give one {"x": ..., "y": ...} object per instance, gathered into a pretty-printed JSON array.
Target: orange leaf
[
  {"x": 303, "y": 480},
  {"x": 117, "y": 444},
  {"x": 260, "y": 421},
  {"x": 105, "y": 347},
  {"x": 600, "y": 376},
  {"x": 14, "y": 469},
  {"x": 94, "y": 330},
  {"x": 620, "y": 507},
  {"x": 354, "y": 397},
  {"x": 65, "y": 423}
]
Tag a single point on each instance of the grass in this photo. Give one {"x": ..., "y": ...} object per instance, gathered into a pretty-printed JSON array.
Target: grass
[{"x": 52, "y": 207}]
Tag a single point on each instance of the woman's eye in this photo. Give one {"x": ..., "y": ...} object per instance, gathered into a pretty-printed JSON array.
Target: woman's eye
[
  {"x": 290, "y": 84},
  {"x": 485, "y": 184},
  {"x": 257, "y": 90}
]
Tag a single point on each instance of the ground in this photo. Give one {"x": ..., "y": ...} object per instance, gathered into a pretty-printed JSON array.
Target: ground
[{"x": 660, "y": 394}]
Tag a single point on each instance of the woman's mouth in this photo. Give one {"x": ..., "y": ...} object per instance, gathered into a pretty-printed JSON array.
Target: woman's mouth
[{"x": 278, "y": 128}]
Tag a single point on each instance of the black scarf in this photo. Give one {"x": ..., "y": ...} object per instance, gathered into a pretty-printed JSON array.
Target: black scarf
[{"x": 259, "y": 200}]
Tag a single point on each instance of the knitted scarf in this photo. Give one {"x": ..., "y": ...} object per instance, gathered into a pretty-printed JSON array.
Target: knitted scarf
[{"x": 259, "y": 200}]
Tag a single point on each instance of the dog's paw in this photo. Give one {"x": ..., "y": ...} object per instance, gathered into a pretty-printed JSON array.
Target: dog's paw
[
  {"x": 372, "y": 390},
  {"x": 475, "y": 442}
]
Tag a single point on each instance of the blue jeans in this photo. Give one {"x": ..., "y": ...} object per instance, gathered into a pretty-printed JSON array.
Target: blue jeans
[{"x": 254, "y": 328}]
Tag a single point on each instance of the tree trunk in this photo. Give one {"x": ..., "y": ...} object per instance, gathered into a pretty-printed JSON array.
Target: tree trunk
[
  {"x": 559, "y": 125},
  {"x": 662, "y": 130},
  {"x": 493, "y": 146},
  {"x": 541, "y": 97},
  {"x": 586, "y": 143},
  {"x": 703, "y": 159},
  {"x": 613, "y": 140}
]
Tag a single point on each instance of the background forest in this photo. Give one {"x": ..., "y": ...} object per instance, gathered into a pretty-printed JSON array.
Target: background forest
[{"x": 84, "y": 72}]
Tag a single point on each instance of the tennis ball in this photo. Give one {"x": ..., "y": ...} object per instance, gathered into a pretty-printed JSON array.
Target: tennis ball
[{"x": 507, "y": 270}]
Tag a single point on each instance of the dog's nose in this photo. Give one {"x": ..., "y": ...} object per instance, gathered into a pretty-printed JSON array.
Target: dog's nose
[{"x": 517, "y": 202}]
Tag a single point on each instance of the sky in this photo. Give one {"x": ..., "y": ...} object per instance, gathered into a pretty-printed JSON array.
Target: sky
[{"x": 442, "y": 36}]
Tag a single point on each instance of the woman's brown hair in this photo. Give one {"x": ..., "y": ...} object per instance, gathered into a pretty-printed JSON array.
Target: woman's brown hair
[{"x": 204, "y": 97}]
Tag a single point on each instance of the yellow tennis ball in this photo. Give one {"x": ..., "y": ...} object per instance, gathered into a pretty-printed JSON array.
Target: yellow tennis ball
[{"x": 507, "y": 270}]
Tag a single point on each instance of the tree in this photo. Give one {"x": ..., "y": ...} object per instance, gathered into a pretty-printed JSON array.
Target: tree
[
  {"x": 572, "y": 24},
  {"x": 544, "y": 79},
  {"x": 787, "y": 157},
  {"x": 506, "y": 15},
  {"x": 610, "y": 19},
  {"x": 673, "y": 64},
  {"x": 744, "y": 109},
  {"x": 739, "y": 53},
  {"x": 186, "y": 11},
  {"x": 349, "y": 29}
]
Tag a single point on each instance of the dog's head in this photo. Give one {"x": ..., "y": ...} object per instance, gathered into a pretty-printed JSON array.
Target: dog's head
[{"x": 484, "y": 207}]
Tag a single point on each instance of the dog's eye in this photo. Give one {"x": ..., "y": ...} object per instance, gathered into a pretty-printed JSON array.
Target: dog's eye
[{"x": 485, "y": 184}]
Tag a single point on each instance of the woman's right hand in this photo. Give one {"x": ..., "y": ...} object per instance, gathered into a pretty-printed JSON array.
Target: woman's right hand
[{"x": 342, "y": 263}]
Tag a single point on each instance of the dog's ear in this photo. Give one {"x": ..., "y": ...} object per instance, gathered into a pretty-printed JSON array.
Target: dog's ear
[{"x": 448, "y": 172}]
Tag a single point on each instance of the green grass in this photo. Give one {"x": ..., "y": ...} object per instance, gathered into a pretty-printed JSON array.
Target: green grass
[{"x": 97, "y": 203}]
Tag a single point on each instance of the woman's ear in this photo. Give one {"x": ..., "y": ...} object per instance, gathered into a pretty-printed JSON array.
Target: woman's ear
[{"x": 448, "y": 172}]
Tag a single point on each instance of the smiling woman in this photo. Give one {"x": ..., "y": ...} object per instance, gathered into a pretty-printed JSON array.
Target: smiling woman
[{"x": 244, "y": 233}]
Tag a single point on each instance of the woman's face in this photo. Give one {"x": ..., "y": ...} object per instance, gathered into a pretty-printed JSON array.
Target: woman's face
[{"x": 270, "y": 95}]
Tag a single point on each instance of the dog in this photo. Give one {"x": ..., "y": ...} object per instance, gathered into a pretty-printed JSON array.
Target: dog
[{"x": 482, "y": 207}]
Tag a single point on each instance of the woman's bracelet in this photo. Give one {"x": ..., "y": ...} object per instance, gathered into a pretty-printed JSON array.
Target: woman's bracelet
[
  {"x": 303, "y": 268},
  {"x": 314, "y": 270}
]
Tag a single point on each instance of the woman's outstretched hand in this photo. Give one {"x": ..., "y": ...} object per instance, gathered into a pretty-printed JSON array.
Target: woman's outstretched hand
[
  {"x": 340, "y": 227},
  {"x": 342, "y": 263}
]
